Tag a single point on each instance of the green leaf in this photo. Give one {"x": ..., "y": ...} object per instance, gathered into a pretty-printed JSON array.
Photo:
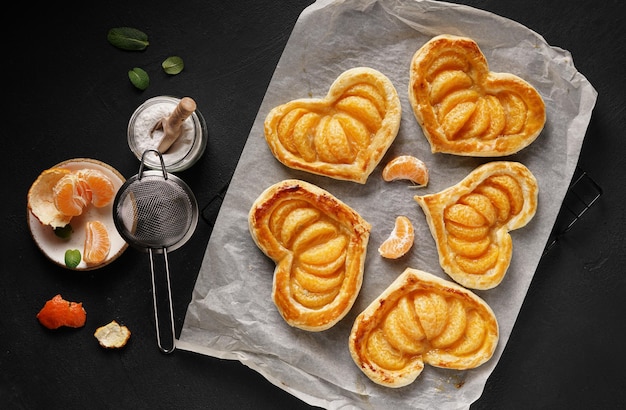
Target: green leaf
[
  {"x": 139, "y": 78},
  {"x": 173, "y": 65},
  {"x": 72, "y": 258},
  {"x": 128, "y": 38},
  {"x": 64, "y": 232}
]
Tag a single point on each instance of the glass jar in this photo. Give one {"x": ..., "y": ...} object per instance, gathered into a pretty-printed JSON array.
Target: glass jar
[{"x": 187, "y": 148}]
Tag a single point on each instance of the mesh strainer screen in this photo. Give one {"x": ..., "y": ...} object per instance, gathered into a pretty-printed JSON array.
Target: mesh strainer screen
[{"x": 153, "y": 212}]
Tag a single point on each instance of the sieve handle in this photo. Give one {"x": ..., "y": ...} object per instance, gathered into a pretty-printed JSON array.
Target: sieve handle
[
  {"x": 169, "y": 299},
  {"x": 141, "y": 165}
]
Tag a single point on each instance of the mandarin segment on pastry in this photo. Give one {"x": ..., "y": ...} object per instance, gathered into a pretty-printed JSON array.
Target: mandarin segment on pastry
[
  {"x": 471, "y": 220},
  {"x": 319, "y": 246},
  {"x": 422, "y": 319},
  {"x": 465, "y": 109},
  {"x": 343, "y": 135}
]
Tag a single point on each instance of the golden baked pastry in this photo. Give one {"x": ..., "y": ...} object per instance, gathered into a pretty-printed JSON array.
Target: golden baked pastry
[
  {"x": 465, "y": 109},
  {"x": 471, "y": 220},
  {"x": 318, "y": 244},
  {"x": 342, "y": 136},
  {"x": 419, "y": 319}
]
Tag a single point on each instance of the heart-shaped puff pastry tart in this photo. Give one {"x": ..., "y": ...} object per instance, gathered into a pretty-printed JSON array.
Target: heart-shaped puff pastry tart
[
  {"x": 471, "y": 220},
  {"x": 421, "y": 318},
  {"x": 465, "y": 109},
  {"x": 318, "y": 244},
  {"x": 342, "y": 136}
]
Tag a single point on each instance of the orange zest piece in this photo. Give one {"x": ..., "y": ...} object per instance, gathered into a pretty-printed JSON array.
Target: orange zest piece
[
  {"x": 97, "y": 243},
  {"x": 101, "y": 188},
  {"x": 400, "y": 240},
  {"x": 59, "y": 312},
  {"x": 71, "y": 195},
  {"x": 406, "y": 167}
]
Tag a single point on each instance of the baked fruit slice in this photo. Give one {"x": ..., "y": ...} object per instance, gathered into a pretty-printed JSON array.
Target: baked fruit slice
[
  {"x": 465, "y": 109},
  {"x": 421, "y": 318},
  {"x": 343, "y": 135},
  {"x": 471, "y": 220},
  {"x": 318, "y": 244}
]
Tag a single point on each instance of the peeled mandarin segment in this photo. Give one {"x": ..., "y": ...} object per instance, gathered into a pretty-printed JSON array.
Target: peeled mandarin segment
[
  {"x": 318, "y": 244},
  {"x": 452, "y": 328},
  {"x": 342, "y": 136},
  {"x": 470, "y": 221},
  {"x": 482, "y": 205},
  {"x": 400, "y": 240},
  {"x": 396, "y": 332},
  {"x": 513, "y": 190},
  {"x": 474, "y": 335},
  {"x": 101, "y": 188},
  {"x": 317, "y": 283},
  {"x": 296, "y": 219},
  {"x": 312, "y": 299},
  {"x": 464, "y": 108},
  {"x": 97, "y": 243},
  {"x": 320, "y": 231},
  {"x": 58, "y": 312},
  {"x": 432, "y": 311},
  {"x": 406, "y": 167},
  {"x": 303, "y": 136},
  {"x": 455, "y": 325},
  {"x": 71, "y": 195},
  {"x": 383, "y": 353}
]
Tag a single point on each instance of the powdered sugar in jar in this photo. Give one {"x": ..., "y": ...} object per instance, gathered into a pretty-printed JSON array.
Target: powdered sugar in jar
[{"x": 187, "y": 148}]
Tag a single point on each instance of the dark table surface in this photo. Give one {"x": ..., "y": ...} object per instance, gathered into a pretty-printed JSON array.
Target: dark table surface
[{"x": 69, "y": 97}]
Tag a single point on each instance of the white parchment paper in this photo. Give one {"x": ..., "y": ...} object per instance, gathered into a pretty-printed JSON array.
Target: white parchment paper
[{"x": 231, "y": 314}]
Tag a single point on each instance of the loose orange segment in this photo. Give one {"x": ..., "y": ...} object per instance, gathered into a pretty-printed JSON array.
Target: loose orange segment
[
  {"x": 97, "y": 243},
  {"x": 406, "y": 167},
  {"x": 71, "y": 195},
  {"x": 59, "y": 312},
  {"x": 99, "y": 185},
  {"x": 400, "y": 240}
]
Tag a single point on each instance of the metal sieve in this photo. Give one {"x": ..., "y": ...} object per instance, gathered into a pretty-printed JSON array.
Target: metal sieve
[{"x": 156, "y": 212}]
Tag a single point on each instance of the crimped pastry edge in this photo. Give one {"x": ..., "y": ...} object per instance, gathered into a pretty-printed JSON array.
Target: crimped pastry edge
[
  {"x": 424, "y": 114},
  {"x": 294, "y": 314},
  {"x": 409, "y": 280},
  {"x": 368, "y": 160},
  {"x": 433, "y": 206}
]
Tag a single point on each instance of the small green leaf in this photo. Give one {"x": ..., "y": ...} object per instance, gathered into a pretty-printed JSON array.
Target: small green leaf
[
  {"x": 64, "y": 232},
  {"x": 128, "y": 38},
  {"x": 72, "y": 258},
  {"x": 173, "y": 65},
  {"x": 139, "y": 78}
]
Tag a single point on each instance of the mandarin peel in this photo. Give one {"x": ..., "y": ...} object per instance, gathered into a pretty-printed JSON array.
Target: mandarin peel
[{"x": 58, "y": 312}]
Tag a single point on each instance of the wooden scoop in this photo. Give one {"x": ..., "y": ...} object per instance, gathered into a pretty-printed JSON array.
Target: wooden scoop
[{"x": 172, "y": 125}]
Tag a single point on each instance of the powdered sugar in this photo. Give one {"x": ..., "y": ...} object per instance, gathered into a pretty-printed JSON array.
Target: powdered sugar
[{"x": 187, "y": 148}]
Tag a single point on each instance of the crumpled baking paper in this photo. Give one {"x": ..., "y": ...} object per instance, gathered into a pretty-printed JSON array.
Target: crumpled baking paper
[{"x": 232, "y": 315}]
